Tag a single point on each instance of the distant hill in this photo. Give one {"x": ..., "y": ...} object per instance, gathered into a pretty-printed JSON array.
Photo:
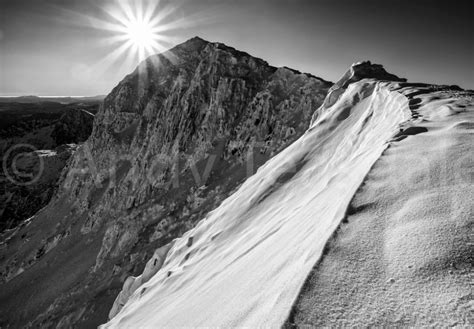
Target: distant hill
[{"x": 62, "y": 100}]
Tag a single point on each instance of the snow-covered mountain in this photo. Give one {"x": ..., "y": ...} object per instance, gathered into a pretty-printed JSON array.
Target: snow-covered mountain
[
  {"x": 371, "y": 207},
  {"x": 216, "y": 190}
]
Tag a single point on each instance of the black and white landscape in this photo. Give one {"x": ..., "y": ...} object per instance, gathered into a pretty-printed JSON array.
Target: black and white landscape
[{"x": 210, "y": 187}]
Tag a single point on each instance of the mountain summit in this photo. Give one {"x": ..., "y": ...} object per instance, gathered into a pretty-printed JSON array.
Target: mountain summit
[{"x": 171, "y": 141}]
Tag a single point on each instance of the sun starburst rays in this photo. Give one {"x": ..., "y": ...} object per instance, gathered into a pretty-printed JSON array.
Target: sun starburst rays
[
  {"x": 135, "y": 29},
  {"x": 132, "y": 30}
]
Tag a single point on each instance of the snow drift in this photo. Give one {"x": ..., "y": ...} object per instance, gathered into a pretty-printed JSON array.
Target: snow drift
[
  {"x": 245, "y": 262},
  {"x": 404, "y": 255}
]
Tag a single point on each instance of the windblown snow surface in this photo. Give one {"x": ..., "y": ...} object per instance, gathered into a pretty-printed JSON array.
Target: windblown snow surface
[
  {"x": 404, "y": 255},
  {"x": 245, "y": 263}
]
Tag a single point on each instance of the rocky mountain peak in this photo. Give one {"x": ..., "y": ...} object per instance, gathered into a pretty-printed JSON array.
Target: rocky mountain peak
[
  {"x": 198, "y": 44},
  {"x": 190, "y": 46},
  {"x": 171, "y": 141},
  {"x": 195, "y": 41}
]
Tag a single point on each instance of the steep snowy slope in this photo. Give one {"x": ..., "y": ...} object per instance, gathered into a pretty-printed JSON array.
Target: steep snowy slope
[
  {"x": 245, "y": 263},
  {"x": 405, "y": 255}
]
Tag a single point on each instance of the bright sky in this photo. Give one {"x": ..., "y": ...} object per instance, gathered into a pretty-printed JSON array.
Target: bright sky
[{"x": 59, "y": 47}]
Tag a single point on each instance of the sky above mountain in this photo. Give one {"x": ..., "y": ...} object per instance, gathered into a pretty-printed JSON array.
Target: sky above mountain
[{"x": 73, "y": 47}]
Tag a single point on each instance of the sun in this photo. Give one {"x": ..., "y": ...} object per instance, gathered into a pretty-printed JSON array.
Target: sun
[
  {"x": 140, "y": 34},
  {"x": 133, "y": 30},
  {"x": 137, "y": 27}
]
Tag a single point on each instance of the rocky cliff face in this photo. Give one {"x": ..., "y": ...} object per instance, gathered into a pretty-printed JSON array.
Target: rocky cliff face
[{"x": 171, "y": 141}]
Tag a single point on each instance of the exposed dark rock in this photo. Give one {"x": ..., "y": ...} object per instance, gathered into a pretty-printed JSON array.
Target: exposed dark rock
[{"x": 74, "y": 126}]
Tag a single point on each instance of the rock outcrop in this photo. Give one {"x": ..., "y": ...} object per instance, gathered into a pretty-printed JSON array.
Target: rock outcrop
[
  {"x": 74, "y": 126},
  {"x": 170, "y": 142},
  {"x": 357, "y": 71},
  {"x": 132, "y": 283}
]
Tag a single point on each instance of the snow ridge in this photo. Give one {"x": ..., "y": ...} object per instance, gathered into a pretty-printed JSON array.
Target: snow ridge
[{"x": 244, "y": 264}]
